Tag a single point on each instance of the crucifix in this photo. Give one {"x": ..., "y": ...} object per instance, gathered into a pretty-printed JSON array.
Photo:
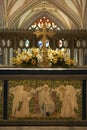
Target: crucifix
[{"x": 44, "y": 34}]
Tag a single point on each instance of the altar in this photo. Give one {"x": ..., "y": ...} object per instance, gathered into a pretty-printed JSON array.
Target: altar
[{"x": 43, "y": 96}]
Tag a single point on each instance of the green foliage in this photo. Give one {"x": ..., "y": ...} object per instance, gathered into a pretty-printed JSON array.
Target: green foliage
[{"x": 50, "y": 83}]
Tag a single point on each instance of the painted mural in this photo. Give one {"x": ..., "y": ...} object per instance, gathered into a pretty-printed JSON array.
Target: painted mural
[
  {"x": 1, "y": 99},
  {"x": 45, "y": 99}
]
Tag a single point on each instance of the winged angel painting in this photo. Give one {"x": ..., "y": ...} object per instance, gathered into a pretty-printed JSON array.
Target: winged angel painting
[
  {"x": 1, "y": 99},
  {"x": 45, "y": 99}
]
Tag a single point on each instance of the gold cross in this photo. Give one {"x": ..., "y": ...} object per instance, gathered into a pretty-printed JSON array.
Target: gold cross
[{"x": 44, "y": 34}]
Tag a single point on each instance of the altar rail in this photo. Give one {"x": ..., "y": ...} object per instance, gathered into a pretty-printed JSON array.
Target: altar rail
[{"x": 7, "y": 74}]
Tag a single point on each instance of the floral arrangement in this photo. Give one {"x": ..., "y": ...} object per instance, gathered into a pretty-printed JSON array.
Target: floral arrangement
[
  {"x": 33, "y": 56},
  {"x": 59, "y": 59},
  {"x": 27, "y": 59}
]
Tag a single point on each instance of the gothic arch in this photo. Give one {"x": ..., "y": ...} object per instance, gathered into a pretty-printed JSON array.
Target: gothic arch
[
  {"x": 57, "y": 4},
  {"x": 47, "y": 14},
  {"x": 22, "y": 10},
  {"x": 67, "y": 12}
]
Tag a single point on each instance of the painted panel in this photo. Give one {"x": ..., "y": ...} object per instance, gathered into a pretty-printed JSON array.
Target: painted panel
[
  {"x": 1, "y": 99},
  {"x": 45, "y": 99}
]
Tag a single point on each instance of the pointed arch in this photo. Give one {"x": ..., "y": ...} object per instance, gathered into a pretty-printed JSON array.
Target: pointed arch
[
  {"x": 18, "y": 13},
  {"x": 67, "y": 12},
  {"x": 35, "y": 17},
  {"x": 23, "y": 9}
]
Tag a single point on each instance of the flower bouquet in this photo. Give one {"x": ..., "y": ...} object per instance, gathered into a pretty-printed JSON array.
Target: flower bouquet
[
  {"x": 57, "y": 58},
  {"x": 26, "y": 59}
]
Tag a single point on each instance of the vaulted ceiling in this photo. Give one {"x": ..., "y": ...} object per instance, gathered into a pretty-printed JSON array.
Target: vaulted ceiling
[{"x": 67, "y": 14}]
